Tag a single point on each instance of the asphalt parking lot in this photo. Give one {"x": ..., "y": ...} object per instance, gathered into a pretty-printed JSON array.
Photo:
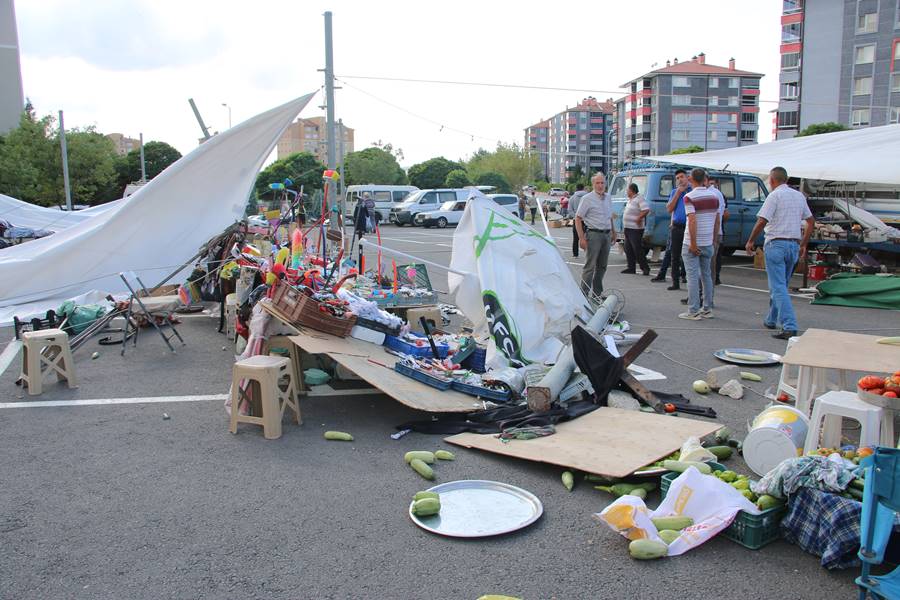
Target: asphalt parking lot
[{"x": 112, "y": 500}]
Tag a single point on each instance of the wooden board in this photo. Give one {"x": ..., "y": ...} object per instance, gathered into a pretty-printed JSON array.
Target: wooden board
[
  {"x": 608, "y": 441},
  {"x": 826, "y": 349},
  {"x": 355, "y": 354}
]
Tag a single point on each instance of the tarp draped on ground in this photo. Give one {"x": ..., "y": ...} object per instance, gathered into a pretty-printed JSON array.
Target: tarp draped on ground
[
  {"x": 155, "y": 230},
  {"x": 862, "y": 291},
  {"x": 520, "y": 289},
  {"x": 23, "y": 214},
  {"x": 862, "y": 155}
]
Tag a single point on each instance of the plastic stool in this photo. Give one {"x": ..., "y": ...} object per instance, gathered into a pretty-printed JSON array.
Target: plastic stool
[
  {"x": 832, "y": 408},
  {"x": 230, "y": 316},
  {"x": 283, "y": 342},
  {"x": 46, "y": 348},
  {"x": 787, "y": 383},
  {"x": 267, "y": 372}
]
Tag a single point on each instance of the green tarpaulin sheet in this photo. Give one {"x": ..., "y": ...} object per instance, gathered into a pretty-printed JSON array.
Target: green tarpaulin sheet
[{"x": 862, "y": 291}]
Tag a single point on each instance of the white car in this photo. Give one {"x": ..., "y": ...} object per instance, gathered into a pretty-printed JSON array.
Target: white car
[
  {"x": 555, "y": 191},
  {"x": 508, "y": 201},
  {"x": 449, "y": 213}
]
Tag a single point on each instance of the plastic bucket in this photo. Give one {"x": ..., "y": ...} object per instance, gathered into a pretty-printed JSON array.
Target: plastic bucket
[{"x": 777, "y": 433}]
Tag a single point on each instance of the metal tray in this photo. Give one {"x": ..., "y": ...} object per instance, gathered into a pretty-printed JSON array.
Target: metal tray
[
  {"x": 476, "y": 508},
  {"x": 770, "y": 358}
]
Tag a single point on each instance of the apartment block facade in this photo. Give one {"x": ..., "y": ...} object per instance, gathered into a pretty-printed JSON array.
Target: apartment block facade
[
  {"x": 684, "y": 104},
  {"x": 310, "y": 135},
  {"x": 123, "y": 143},
  {"x": 537, "y": 142},
  {"x": 840, "y": 62}
]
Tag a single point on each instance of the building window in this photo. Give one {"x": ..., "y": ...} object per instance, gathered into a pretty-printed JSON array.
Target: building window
[
  {"x": 790, "y": 61},
  {"x": 748, "y": 117},
  {"x": 681, "y": 117},
  {"x": 867, "y": 23},
  {"x": 732, "y": 118},
  {"x": 648, "y": 119},
  {"x": 714, "y": 82},
  {"x": 732, "y": 101},
  {"x": 791, "y": 6},
  {"x": 790, "y": 33},
  {"x": 895, "y": 114},
  {"x": 748, "y": 100},
  {"x": 789, "y": 91},
  {"x": 680, "y": 82},
  {"x": 713, "y": 136},
  {"x": 895, "y": 82},
  {"x": 713, "y": 100},
  {"x": 732, "y": 136},
  {"x": 862, "y": 86},
  {"x": 865, "y": 54},
  {"x": 733, "y": 83},
  {"x": 679, "y": 135},
  {"x": 895, "y": 63},
  {"x": 860, "y": 117},
  {"x": 679, "y": 100},
  {"x": 787, "y": 120},
  {"x": 748, "y": 135},
  {"x": 713, "y": 117}
]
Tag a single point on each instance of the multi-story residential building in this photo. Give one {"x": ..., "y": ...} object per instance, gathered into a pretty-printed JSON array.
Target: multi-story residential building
[
  {"x": 578, "y": 136},
  {"x": 310, "y": 135},
  {"x": 840, "y": 62},
  {"x": 537, "y": 142},
  {"x": 684, "y": 104},
  {"x": 123, "y": 144},
  {"x": 12, "y": 101}
]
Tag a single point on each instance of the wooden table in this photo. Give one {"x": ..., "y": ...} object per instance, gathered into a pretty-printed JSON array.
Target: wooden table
[{"x": 820, "y": 350}]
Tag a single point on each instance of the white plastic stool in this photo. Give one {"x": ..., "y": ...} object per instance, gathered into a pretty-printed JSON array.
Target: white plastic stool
[
  {"x": 46, "y": 349},
  {"x": 832, "y": 408},
  {"x": 787, "y": 383},
  {"x": 230, "y": 315},
  {"x": 267, "y": 372}
]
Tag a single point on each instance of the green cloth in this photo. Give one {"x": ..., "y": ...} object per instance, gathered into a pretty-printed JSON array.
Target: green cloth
[
  {"x": 862, "y": 291},
  {"x": 79, "y": 317}
]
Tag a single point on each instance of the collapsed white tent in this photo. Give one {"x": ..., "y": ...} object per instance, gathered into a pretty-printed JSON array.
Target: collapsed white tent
[
  {"x": 24, "y": 214},
  {"x": 861, "y": 155},
  {"x": 155, "y": 230}
]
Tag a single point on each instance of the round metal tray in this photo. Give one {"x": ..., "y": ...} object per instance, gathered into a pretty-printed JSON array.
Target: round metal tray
[
  {"x": 476, "y": 508},
  {"x": 769, "y": 358}
]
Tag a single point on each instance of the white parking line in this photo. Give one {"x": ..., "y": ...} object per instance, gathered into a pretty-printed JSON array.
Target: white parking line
[{"x": 104, "y": 401}]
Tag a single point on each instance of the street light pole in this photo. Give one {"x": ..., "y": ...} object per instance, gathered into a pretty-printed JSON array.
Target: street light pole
[
  {"x": 65, "y": 161},
  {"x": 143, "y": 167}
]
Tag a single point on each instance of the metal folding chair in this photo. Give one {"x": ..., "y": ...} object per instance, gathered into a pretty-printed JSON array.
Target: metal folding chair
[
  {"x": 149, "y": 307},
  {"x": 881, "y": 500}
]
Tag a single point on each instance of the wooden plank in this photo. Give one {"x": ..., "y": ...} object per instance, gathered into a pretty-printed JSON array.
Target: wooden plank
[
  {"x": 375, "y": 366},
  {"x": 826, "y": 349},
  {"x": 608, "y": 441}
]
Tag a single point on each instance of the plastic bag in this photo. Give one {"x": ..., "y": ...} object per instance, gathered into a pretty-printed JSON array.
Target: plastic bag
[
  {"x": 711, "y": 503},
  {"x": 693, "y": 451}
]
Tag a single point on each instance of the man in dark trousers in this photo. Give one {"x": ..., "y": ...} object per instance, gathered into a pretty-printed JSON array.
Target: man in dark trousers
[
  {"x": 675, "y": 207},
  {"x": 573, "y": 209}
]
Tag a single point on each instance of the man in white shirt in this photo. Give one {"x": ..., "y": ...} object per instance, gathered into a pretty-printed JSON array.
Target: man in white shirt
[
  {"x": 701, "y": 207},
  {"x": 782, "y": 216},
  {"x": 596, "y": 228}
]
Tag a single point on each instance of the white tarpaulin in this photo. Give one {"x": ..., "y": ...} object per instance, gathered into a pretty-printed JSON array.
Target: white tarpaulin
[
  {"x": 867, "y": 155},
  {"x": 156, "y": 229},
  {"x": 520, "y": 290},
  {"x": 23, "y": 214}
]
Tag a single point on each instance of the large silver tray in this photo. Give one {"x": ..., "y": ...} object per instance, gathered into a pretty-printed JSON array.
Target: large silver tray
[
  {"x": 477, "y": 508},
  {"x": 768, "y": 358}
]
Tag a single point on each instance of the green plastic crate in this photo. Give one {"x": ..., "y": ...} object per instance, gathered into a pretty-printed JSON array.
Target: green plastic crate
[{"x": 750, "y": 531}]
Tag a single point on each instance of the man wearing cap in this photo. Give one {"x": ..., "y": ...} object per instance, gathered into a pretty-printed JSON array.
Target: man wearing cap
[
  {"x": 596, "y": 228},
  {"x": 782, "y": 216}
]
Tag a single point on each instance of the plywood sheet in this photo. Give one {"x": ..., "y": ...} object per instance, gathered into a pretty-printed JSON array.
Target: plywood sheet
[
  {"x": 608, "y": 441},
  {"x": 358, "y": 356},
  {"x": 826, "y": 349}
]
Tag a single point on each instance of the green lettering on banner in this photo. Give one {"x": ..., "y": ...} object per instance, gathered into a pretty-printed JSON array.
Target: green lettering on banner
[
  {"x": 502, "y": 227},
  {"x": 502, "y": 328}
]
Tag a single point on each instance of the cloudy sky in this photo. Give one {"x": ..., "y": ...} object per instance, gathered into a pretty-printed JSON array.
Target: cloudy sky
[{"x": 130, "y": 65}]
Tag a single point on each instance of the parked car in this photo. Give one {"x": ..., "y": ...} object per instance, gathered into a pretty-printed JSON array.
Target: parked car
[
  {"x": 555, "y": 191},
  {"x": 386, "y": 197},
  {"x": 508, "y": 201},
  {"x": 744, "y": 194},
  {"x": 449, "y": 214},
  {"x": 424, "y": 201}
]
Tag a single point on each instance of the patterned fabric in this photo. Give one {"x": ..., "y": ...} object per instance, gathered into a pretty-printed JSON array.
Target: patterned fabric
[
  {"x": 826, "y": 525},
  {"x": 817, "y": 472},
  {"x": 704, "y": 205},
  {"x": 785, "y": 209},
  {"x": 633, "y": 209},
  {"x": 595, "y": 211}
]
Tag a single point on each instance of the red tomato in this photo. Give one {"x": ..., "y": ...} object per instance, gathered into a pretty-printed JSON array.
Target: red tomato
[
  {"x": 669, "y": 407},
  {"x": 890, "y": 394},
  {"x": 876, "y": 391}
]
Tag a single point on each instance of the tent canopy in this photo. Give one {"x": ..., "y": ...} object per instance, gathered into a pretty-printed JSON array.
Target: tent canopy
[
  {"x": 24, "y": 214},
  {"x": 862, "y": 155}
]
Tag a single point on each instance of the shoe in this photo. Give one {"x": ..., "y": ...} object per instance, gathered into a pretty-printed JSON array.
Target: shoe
[
  {"x": 718, "y": 282},
  {"x": 684, "y": 280},
  {"x": 706, "y": 313},
  {"x": 689, "y": 316},
  {"x": 784, "y": 334},
  {"x": 646, "y": 273},
  {"x": 628, "y": 272},
  {"x": 768, "y": 326},
  {"x": 657, "y": 279},
  {"x": 684, "y": 300},
  {"x": 673, "y": 287}
]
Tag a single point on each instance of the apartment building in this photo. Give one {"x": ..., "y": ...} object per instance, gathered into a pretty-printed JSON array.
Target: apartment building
[
  {"x": 123, "y": 143},
  {"x": 310, "y": 135},
  {"x": 537, "y": 142},
  {"x": 840, "y": 62},
  {"x": 684, "y": 104}
]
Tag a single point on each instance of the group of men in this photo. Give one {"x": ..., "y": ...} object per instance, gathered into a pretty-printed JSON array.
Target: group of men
[{"x": 698, "y": 213}]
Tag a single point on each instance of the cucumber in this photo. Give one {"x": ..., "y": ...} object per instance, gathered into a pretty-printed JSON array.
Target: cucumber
[
  {"x": 444, "y": 455},
  {"x": 421, "y": 495},
  {"x": 750, "y": 376},
  {"x": 721, "y": 452},
  {"x": 674, "y": 523},
  {"x": 421, "y": 468},
  {"x": 766, "y": 502},
  {"x": 682, "y": 466},
  {"x": 338, "y": 436},
  {"x": 424, "y": 455},
  {"x": 745, "y": 357},
  {"x": 639, "y": 492},
  {"x": 669, "y": 535},
  {"x": 568, "y": 480},
  {"x": 859, "y": 484},
  {"x": 723, "y": 435},
  {"x": 426, "y": 507},
  {"x": 645, "y": 549}
]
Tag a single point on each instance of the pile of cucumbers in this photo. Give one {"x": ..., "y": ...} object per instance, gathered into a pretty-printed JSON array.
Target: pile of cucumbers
[{"x": 420, "y": 460}]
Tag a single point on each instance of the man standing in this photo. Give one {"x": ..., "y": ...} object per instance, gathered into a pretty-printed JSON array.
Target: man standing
[
  {"x": 713, "y": 185},
  {"x": 522, "y": 205},
  {"x": 781, "y": 216},
  {"x": 596, "y": 228},
  {"x": 675, "y": 207},
  {"x": 532, "y": 204},
  {"x": 573, "y": 209},
  {"x": 701, "y": 208},
  {"x": 633, "y": 218}
]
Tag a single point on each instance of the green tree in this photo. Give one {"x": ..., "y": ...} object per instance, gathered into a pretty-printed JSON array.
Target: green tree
[
  {"x": 495, "y": 179},
  {"x": 432, "y": 173},
  {"x": 373, "y": 165},
  {"x": 157, "y": 156},
  {"x": 689, "y": 150},
  {"x": 457, "y": 179},
  {"x": 574, "y": 173},
  {"x": 817, "y": 128},
  {"x": 26, "y": 159},
  {"x": 301, "y": 167},
  {"x": 517, "y": 166},
  {"x": 92, "y": 170}
]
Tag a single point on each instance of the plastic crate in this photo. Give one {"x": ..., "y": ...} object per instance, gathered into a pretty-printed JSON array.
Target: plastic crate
[
  {"x": 750, "y": 531},
  {"x": 482, "y": 392},
  {"x": 376, "y": 326},
  {"x": 423, "y": 351},
  {"x": 475, "y": 361},
  {"x": 435, "y": 382}
]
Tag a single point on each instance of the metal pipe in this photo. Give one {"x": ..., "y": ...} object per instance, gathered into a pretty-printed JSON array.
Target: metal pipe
[
  {"x": 143, "y": 166},
  {"x": 65, "y": 161}
]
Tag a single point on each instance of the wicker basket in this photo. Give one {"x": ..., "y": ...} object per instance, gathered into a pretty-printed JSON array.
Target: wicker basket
[{"x": 303, "y": 310}]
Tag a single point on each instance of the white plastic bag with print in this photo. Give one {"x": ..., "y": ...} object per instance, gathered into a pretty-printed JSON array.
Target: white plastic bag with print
[{"x": 711, "y": 503}]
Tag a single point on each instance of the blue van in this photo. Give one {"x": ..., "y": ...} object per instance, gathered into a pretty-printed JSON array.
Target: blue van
[{"x": 744, "y": 194}]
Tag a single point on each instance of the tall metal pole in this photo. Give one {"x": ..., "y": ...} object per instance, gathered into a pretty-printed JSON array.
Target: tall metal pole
[
  {"x": 65, "y": 161},
  {"x": 329, "y": 91},
  {"x": 143, "y": 166}
]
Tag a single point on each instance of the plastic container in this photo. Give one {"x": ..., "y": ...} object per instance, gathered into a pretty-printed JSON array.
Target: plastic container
[
  {"x": 376, "y": 326},
  {"x": 482, "y": 392},
  {"x": 419, "y": 351},
  {"x": 367, "y": 335},
  {"x": 777, "y": 433},
  {"x": 475, "y": 361},
  {"x": 427, "y": 379}
]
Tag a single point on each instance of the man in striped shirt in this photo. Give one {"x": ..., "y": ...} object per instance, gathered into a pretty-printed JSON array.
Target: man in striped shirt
[{"x": 701, "y": 206}]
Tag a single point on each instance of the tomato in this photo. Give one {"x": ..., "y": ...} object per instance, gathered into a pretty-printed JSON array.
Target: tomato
[
  {"x": 890, "y": 394},
  {"x": 782, "y": 397},
  {"x": 863, "y": 452},
  {"x": 669, "y": 407},
  {"x": 870, "y": 381},
  {"x": 876, "y": 391}
]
